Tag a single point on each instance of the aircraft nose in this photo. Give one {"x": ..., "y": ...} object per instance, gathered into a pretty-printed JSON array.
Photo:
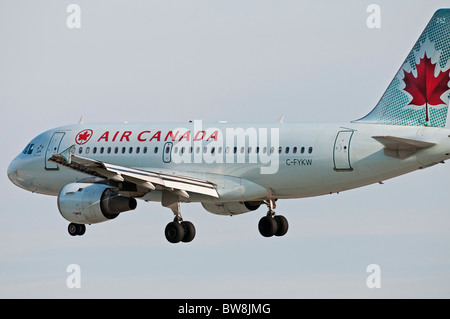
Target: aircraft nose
[
  {"x": 12, "y": 172},
  {"x": 17, "y": 173}
]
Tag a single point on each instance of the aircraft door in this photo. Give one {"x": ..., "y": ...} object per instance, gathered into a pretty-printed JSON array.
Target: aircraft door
[
  {"x": 341, "y": 152},
  {"x": 167, "y": 152},
  {"x": 52, "y": 148}
]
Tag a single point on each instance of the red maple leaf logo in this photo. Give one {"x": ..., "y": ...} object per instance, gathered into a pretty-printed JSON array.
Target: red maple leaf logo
[
  {"x": 426, "y": 88},
  {"x": 83, "y": 137}
]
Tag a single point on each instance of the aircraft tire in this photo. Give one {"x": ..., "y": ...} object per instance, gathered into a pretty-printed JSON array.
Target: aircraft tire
[
  {"x": 81, "y": 229},
  {"x": 76, "y": 229},
  {"x": 282, "y": 225},
  {"x": 72, "y": 229},
  {"x": 267, "y": 226},
  {"x": 189, "y": 231},
  {"x": 174, "y": 232}
]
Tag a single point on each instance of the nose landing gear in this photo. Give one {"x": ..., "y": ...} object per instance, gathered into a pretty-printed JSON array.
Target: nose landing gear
[{"x": 76, "y": 229}]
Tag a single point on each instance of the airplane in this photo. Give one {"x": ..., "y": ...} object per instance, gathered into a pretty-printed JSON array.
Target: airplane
[{"x": 100, "y": 170}]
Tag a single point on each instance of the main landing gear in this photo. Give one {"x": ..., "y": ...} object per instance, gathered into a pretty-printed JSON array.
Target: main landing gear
[
  {"x": 184, "y": 231},
  {"x": 178, "y": 230},
  {"x": 270, "y": 224}
]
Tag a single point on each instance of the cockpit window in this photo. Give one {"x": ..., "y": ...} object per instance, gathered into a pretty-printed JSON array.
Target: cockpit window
[
  {"x": 28, "y": 149},
  {"x": 25, "y": 150}
]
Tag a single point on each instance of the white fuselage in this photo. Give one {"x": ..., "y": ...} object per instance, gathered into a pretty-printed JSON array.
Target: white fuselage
[{"x": 300, "y": 160}]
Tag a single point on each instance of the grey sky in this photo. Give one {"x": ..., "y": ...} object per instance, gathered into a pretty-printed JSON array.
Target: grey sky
[{"x": 216, "y": 60}]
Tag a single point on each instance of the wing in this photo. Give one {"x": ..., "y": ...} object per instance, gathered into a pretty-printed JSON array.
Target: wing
[{"x": 148, "y": 180}]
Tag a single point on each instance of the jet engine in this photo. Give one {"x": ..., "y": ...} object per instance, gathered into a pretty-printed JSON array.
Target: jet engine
[
  {"x": 231, "y": 208},
  {"x": 86, "y": 203}
]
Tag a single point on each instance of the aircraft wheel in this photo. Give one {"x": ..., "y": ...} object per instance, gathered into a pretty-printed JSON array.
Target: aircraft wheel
[
  {"x": 174, "y": 232},
  {"x": 76, "y": 229},
  {"x": 282, "y": 225},
  {"x": 81, "y": 229},
  {"x": 73, "y": 229},
  {"x": 267, "y": 226},
  {"x": 189, "y": 231}
]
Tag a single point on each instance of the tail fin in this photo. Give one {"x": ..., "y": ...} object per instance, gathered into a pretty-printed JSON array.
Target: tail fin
[{"x": 419, "y": 93}]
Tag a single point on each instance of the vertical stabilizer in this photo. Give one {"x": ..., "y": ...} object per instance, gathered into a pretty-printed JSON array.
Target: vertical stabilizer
[{"x": 419, "y": 93}]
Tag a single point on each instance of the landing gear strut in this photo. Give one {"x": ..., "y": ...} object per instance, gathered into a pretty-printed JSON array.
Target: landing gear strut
[
  {"x": 270, "y": 224},
  {"x": 178, "y": 230}
]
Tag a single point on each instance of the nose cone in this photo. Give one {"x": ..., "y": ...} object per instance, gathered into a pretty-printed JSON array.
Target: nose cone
[
  {"x": 18, "y": 173},
  {"x": 13, "y": 173}
]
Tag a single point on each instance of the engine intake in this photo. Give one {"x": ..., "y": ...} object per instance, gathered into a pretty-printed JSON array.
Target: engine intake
[{"x": 92, "y": 203}]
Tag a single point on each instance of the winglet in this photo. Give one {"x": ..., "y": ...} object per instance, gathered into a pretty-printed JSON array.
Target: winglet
[{"x": 67, "y": 154}]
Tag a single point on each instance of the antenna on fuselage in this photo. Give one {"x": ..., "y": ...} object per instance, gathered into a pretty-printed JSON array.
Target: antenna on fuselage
[
  {"x": 281, "y": 120},
  {"x": 81, "y": 120}
]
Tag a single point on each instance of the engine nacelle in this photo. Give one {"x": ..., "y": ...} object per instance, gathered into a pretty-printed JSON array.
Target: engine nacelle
[
  {"x": 231, "y": 208},
  {"x": 85, "y": 203}
]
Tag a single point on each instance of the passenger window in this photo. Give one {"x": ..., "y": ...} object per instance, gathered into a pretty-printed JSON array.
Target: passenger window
[
  {"x": 138, "y": 150},
  {"x": 302, "y": 150},
  {"x": 155, "y": 150},
  {"x": 116, "y": 150},
  {"x": 94, "y": 150},
  {"x": 310, "y": 149},
  {"x": 102, "y": 149},
  {"x": 294, "y": 150},
  {"x": 87, "y": 150},
  {"x": 279, "y": 150},
  {"x": 287, "y": 150},
  {"x": 145, "y": 150},
  {"x": 130, "y": 150},
  {"x": 80, "y": 150},
  {"x": 109, "y": 150},
  {"x": 123, "y": 150}
]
